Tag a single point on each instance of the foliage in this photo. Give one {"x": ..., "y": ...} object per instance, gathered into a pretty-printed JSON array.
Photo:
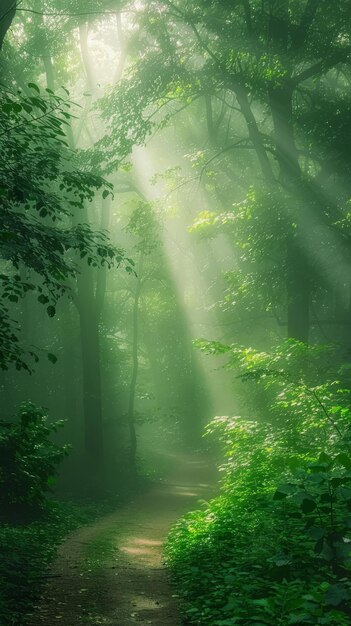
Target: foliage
[
  {"x": 255, "y": 96},
  {"x": 258, "y": 227},
  {"x": 260, "y": 81},
  {"x": 42, "y": 186},
  {"x": 28, "y": 461},
  {"x": 145, "y": 227},
  {"x": 274, "y": 546}
]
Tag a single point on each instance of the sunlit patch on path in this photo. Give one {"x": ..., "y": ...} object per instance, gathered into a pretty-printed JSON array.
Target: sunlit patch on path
[{"x": 112, "y": 572}]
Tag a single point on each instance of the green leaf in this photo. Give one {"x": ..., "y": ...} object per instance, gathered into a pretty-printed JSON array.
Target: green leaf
[
  {"x": 261, "y": 602},
  {"x": 337, "y": 594},
  {"x": 308, "y": 505},
  {"x": 51, "y": 311},
  {"x": 283, "y": 491},
  {"x": 325, "y": 458},
  {"x": 344, "y": 460},
  {"x": 319, "y": 546},
  {"x": 43, "y": 299},
  {"x": 34, "y": 86},
  {"x": 317, "y": 533},
  {"x": 318, "y": 477},
  {"x": 345, "y": 493},
  {"x": 27, "y": 107}
]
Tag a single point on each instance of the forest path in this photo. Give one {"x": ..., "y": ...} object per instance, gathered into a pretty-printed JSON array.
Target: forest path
[{"x": 112, "y": 572}]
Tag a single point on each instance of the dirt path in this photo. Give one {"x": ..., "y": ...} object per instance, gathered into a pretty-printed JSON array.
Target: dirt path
[{"x": 112, "y": 571}]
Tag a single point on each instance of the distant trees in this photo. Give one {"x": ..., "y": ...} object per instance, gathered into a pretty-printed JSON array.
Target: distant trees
[
  {"x": 252, "y": 98},
  {"x": 56, "y": 290},
  {"x": 42, "y": 187}
]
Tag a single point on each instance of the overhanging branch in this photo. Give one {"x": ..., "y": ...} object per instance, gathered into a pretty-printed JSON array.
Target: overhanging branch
[{"x": 322, "y": 66}]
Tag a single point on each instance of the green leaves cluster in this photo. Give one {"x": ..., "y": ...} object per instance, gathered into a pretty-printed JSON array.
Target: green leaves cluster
[
  {"x": 28, "y": 461},
  {"x": 42, "y": 189},
  {"x": 274, "y": 546}
]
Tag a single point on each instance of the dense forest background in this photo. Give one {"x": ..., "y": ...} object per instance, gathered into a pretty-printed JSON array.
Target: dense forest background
[{"x": 176, "y": 245}]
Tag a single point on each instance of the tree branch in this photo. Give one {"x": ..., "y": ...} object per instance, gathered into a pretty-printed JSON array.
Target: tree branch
[
  {"x": 63, "y": 14},
  {"x": 242, "y": 143},
  {"x": 322, "y": 66},
  {"x": 307, "y": 20}
]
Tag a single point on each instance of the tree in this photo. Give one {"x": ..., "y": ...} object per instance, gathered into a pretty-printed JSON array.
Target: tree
[
  {"x": 45, "y": 42},
  {"x": 42, "y": 185},
  {"x": 254, "y": 56}
]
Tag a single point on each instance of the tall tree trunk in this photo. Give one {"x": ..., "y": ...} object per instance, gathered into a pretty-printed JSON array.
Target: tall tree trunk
[
  {"x": 49, "y": 70},
  {"x": 254, "y": 133},
  {"x": 298, "y": 283},
  {"x": 101, "y": 278},
  {"x": 89, "y": 309},
  {"x": 72, "y": 400},
  {"x": 298, "y": 291},
  {"x": 122, "y": 49},
  {"x": 92, "y": 402},
  {"x": 46, "y": 52},
  {"x": 89, "y": 72},
  {"x": 7, "y": 13},
  {"x": 134, "y": 378},
  {"x": 298, "y": 267}
]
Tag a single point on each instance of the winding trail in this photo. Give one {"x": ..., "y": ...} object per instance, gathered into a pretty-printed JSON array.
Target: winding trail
[{"x": 112, "y": 572}]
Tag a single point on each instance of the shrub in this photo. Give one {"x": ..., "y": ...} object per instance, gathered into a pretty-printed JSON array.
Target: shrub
[
  {"x": 274, "y": 548},
  {"x": 28, "y": 461}
]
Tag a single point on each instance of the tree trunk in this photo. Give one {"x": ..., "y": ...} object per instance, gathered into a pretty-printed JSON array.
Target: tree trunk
[
  {"x": 133, "y": 382},
  {"x": 298, "y": 271},
  {"x": 101, "y": 278},
  {"x": 49, "y": 71},
  {"x": 46, "y": 52},
  {"x": 7, "y": 13},
  {"x": 92, "y": 402},
  {"x": 298, "y": 283},
  {"x": 298, "y": 292},
  {"x": 254, "y": 132},
  {"x": 89, "y": 304},
  {"x": 83, "y": 40},
  {"x": 72, "y": 400}
]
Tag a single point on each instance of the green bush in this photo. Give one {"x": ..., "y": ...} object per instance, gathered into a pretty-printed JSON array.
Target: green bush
[
  {"x": 274, "y": 547},
  {"x": 28, "y": 461}
]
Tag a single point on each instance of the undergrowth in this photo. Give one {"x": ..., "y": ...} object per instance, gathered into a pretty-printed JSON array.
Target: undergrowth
[
  {"x": 27, "y": 551},
  {"x": 32, "y": 525},
  {"x": 274, "y": 548}
]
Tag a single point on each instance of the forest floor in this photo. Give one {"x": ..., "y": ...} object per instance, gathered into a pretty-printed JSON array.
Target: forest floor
[{"x": 112, "y": 572}]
